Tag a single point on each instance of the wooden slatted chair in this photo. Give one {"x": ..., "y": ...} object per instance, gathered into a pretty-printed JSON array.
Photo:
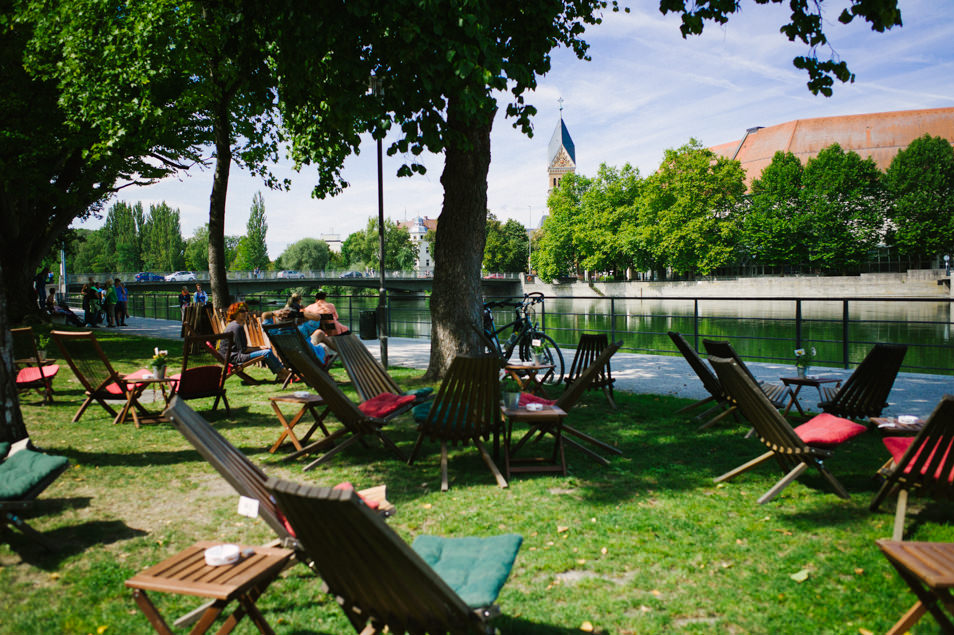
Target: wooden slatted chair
[
  {"x": 24, "y": 473},
  {"x": 466, "y": 409},
  {"x": 368, "y": 376},
  {"x": 928, "y": 570},
  {"x": 778, "y": 394},
  {"x": 721, "y": 404},
  {"x": 796, "y": 450},
  {"x": 359, "y": 421},
  {"x": 588, "y": 349},
  {"x": 232, "y": 370},
  {"x": 293, "y": 375},
  {"x": 435, "y": 585},
  {"x": 924, "y": 463},
  {"x": 94, "y": 372},
  {"x": 33, "y": 373},
  {"x": 573, "y": 393},
  {"x": 865, "y": 392},
  {"x": 246, "y": 477},
  {"x": 203, "y": 374}
]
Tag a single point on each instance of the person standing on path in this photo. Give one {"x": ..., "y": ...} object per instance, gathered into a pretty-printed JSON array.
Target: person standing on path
[{"x": 122, "y": 300}]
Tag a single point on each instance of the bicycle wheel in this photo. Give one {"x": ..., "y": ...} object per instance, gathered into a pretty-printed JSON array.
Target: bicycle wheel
[{"x": 551, "y": 355}]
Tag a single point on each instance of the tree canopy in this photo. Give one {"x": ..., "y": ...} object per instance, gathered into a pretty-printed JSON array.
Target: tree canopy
[
  {"x": 307, "y": 254},
  {"x": 360, "y": 249},
  {"x": 507, "y": 246}
]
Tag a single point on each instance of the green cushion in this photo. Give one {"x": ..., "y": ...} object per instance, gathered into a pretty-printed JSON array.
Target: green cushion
[
  {"x": 420, "y": 411},
  {"x": 420, "y": 393},
  {"x": 24, "y": 470},
  {"x": 4, "y": 449},
  {"x": 476, "y": 568}
]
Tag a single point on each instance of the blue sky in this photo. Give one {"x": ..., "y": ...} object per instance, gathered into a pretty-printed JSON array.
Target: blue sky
[{"x": 645, "y": 90}]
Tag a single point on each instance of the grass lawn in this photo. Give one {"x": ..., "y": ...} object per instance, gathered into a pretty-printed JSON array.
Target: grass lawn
[{"x": 647, "y": 545}]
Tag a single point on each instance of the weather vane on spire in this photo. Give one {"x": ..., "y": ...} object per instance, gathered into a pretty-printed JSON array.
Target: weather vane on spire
[{"x": 560, "y": 100}]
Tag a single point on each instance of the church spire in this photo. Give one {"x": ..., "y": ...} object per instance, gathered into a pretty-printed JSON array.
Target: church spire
[{"x": 561, "y": 155}]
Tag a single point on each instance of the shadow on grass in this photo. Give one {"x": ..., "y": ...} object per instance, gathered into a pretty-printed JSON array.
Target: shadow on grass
[{"x": 68, "y": 541}]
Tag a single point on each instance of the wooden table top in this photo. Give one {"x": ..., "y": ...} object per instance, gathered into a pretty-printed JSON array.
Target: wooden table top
[
  {"x": 523, "y": 414},
  {"x": 888, "y": 424},
  {"x": 528, "y": 366},
  {"x": 808, "y": 381},
  {"x": 292, "y": 398},
  {"x": 932, "y": 562},
  {"x": 187, "y": 573}
]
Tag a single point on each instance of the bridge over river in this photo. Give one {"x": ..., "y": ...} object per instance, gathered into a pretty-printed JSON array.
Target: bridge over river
[{"x": 243, "y": 285}]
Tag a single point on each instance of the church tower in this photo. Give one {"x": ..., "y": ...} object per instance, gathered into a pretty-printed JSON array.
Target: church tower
[{"x": 561, "y": 154}]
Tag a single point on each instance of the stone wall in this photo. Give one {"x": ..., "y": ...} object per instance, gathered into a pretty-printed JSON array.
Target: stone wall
[{"x": 920, "y": 284}]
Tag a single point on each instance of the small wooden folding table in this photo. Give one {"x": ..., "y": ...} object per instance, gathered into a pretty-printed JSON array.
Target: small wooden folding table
[
  {"x": 308, "y": 403},
  {"x": 187, "y": 573}
]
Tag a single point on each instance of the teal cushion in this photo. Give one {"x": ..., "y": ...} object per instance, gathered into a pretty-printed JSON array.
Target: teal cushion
[
  {"x": 4, "y": 449},
  {"x": 420, "y": 411},
  {"x": 24, "y": 470},
  {"x": 420, "y": 393},
  {"x": 475, "y": 568}
]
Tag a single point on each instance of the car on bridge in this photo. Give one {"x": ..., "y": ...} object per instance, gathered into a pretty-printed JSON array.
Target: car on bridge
[
  {"x": 181, "y": 276},
  {"x": 291, "y": 274},
  {"x": 145, "y": 276},
  {"x": 351, "y": 274}
]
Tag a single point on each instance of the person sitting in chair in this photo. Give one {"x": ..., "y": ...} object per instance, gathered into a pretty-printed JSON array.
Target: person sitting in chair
[
  {"x": 241, "y": 352},
  {"x": 321, "y": 331}
]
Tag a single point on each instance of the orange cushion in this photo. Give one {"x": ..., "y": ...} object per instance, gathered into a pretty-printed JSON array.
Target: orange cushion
[
  {"x": 384, "y": 404},
  {"x": 828, "y": 430},
  {"x": 31, "y": 374}
]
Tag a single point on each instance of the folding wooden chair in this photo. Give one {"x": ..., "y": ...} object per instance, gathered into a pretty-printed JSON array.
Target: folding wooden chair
[
  {"x": 778, "y": 394},
  {"x": 93, "y": 370},
  {"x": 467, "y": 407},
  {"x": 924, "y": 463},
  {"x": 359, "y": 421},
  {"x": 588, "y": 349},
  {"x": 368, "y": 376},
  {"x": 435, "y": 585},
  {"x": 795, "y": 450},
  {"x": 203, "y": 374},
  {"x": 33, "y": 373},
  {"x": 293, "y": 374},
  {"x": 24, "y": 474},
  {"x": 928, "y": 570},
  {"x": 237, "y": 370},
  {"x": 709, "y": 381},
  {"x": 865, "y": 393}
]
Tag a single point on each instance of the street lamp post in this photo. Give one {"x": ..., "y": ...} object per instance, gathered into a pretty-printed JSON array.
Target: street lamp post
[{"x": 377, "y": 91}]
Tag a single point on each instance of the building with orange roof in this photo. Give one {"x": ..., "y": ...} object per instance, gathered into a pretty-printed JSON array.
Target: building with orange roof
[{"x": 877, "y": 135}]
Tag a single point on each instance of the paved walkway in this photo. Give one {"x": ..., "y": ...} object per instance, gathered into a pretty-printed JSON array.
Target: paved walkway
[{"x": 913, "y": 393}]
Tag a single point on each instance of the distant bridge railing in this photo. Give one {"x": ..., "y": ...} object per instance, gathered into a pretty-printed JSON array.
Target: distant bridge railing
[{"x": 203, "y": 276}]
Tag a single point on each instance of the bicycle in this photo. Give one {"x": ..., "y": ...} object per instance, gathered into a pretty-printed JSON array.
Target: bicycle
[{"x": 525, "y": 332}]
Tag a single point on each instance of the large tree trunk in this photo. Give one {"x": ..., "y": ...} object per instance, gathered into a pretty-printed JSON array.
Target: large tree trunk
[
  {"x": 11, "y": 419},
  {"x": 220, "y": 186},
  {"x": 461, "y": 233}
]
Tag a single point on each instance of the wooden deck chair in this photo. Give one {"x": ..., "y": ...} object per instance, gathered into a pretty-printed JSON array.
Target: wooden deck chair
[
  {"x": 359, "y": 421},
  {"x": 778, "y": 394},
  {"x": 924, "y": 463},
  {"x": 33, "y": 373},
  {"x": 237, "y": 370},
  {"x": 709, "y": 381},
  {"x": 466, "y": 409},
  {"x": 435, "y": 585},
  {"x": 24, "y": 473},
  {"x": 368, "y": 376},
  {"x": 796, "y": 450},
  {"x": 246, "y": 477},
  {"x": 293, "y": 374},
  {"x": 928, "y": 570},
  {"x": 865, "y": 392},
  {"x": 203, "y": 374},
  {"x": 569, "y": 399},
  {"x": 327, "y": 324},
  {"x": 253, "y": 332},
  {"x": 93, "y": 370},
  {"x": 588, "y": 349}
]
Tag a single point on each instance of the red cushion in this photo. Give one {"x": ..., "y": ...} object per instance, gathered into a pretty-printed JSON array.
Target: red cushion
[
  {"x": 897, "y": 446},
  {"x": 114, "y": 389},
  {"x": 828, "y": 430},
  {"x": 384, "y": 404},
  {"x": 526, "y": 398},
  {"x": 31, "y": 374},
  {"x": 349, "y": 487}
]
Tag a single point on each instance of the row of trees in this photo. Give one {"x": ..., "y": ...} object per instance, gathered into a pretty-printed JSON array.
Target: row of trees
[{"x": 693, "y": 215}]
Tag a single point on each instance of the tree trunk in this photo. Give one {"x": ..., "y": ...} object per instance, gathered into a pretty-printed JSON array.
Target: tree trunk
[
  {"x": 220, "y": 186},
  {"x": 461, "y": 233},
  {"x": 11, "y": 419}
]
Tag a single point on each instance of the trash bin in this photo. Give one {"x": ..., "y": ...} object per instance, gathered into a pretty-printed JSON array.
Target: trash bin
[{"x": 368, "y": 325}]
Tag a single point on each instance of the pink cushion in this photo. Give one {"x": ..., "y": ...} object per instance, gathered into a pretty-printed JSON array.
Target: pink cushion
[
  {"x": 114, "y": 389},
  {"x": 384, "y": 404},
  {"x": 526, "y": 398},
  {"x": 345, "y": 485},
  {"x": 828, "y": 430},
  {"x": 31, "y": 374},
  {"x": 897, "y": 446}
]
